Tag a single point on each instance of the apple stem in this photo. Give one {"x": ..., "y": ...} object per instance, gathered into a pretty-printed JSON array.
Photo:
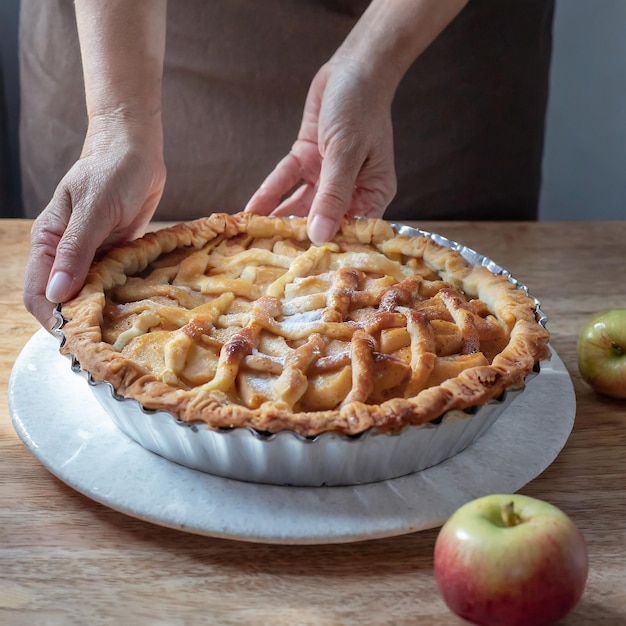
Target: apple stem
[{"x": 509, "y": 516}]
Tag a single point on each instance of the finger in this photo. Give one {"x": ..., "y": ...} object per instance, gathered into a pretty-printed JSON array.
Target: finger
[
  {"x": 372, "y": 201},
  {"x": 340, "y": 168},
  {"x": 283, "y": 179},
  {"x": 376, "y": 184},
  {"x": 299, "y": 203}
]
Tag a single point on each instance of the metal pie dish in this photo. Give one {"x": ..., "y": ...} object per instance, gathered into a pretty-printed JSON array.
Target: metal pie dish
[{"x": 288, "y": 458}]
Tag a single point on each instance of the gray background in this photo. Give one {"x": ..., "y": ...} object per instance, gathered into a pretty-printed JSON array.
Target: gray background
[
  {"x": 584, "y": 164},
  {"x": 584, "y": 167}
]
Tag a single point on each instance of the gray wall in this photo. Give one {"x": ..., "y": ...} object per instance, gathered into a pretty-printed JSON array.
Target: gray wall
[
  {"x": 584, "y": 172},
  {"x": 584, "y": 165}
]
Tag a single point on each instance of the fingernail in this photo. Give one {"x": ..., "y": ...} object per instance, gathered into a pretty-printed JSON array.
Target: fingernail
[
  {"x": 321, "y": 229},
  {"x": 58, "y": 287}
]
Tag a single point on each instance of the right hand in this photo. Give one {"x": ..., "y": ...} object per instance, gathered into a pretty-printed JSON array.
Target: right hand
[
  {"x": 107, "y": 197},
  {"x": 342, "y": 161}
]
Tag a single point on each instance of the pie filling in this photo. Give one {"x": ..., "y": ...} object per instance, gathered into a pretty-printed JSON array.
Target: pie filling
[{"x": 240, "y": 321}]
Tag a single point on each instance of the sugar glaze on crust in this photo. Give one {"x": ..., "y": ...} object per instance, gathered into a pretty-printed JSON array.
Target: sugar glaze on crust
[{"x": 239, "y": 321}]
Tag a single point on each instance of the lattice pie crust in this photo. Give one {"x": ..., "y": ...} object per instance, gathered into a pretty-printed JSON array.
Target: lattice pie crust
[{"x": 237, "y": 320}]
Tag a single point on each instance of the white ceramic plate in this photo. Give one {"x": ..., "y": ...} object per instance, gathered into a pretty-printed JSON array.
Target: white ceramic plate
[{"x": 56, "y": 415}]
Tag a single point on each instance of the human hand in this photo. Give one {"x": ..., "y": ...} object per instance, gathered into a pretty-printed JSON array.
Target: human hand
[
  {"x": 107, "y": 197},
  {"x": 342, "y": 161}
]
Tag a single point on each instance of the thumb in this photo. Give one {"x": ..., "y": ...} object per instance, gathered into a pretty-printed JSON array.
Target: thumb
[
  {"x": 75, "y": 251},
  {"x": 332, "y": 200},
  {"x": 46, "y": 233}
]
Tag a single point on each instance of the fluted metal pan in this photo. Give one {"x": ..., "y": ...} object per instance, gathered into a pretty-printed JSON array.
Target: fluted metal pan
[{"x": 287, "y": 458}]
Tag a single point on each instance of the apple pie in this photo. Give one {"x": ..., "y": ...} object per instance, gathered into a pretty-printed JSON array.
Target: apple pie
[{"x": 239, "y": 321}]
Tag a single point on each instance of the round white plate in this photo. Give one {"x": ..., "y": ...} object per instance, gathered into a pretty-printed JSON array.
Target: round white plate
[{"x": 63, "y": 425}]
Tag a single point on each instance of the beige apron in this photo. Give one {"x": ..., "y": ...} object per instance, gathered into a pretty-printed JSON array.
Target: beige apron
[{"x": 468, "y": 117}]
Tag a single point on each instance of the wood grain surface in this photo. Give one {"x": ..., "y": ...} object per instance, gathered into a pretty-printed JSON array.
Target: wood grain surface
[{"x": 65, "y": 559}]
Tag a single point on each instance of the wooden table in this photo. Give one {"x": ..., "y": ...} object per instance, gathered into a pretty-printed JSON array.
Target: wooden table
[{"x": 65, "y": 559}]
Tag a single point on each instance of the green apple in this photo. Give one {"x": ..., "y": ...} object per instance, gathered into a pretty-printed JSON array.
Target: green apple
[
  {"x": 602, "y": 353},
  {"x": 509, "y": 560}
]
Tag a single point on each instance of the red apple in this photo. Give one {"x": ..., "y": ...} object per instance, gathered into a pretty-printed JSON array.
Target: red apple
[
  {"x": 602, "y": 353},
  {"x": 508, "y": 560}
]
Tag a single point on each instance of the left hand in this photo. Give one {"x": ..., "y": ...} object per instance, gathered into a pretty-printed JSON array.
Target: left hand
[{"x": 342, "y": 161}]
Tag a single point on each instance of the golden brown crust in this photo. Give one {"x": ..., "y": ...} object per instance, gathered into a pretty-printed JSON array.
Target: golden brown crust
[{"x": 385, "y": 318}]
